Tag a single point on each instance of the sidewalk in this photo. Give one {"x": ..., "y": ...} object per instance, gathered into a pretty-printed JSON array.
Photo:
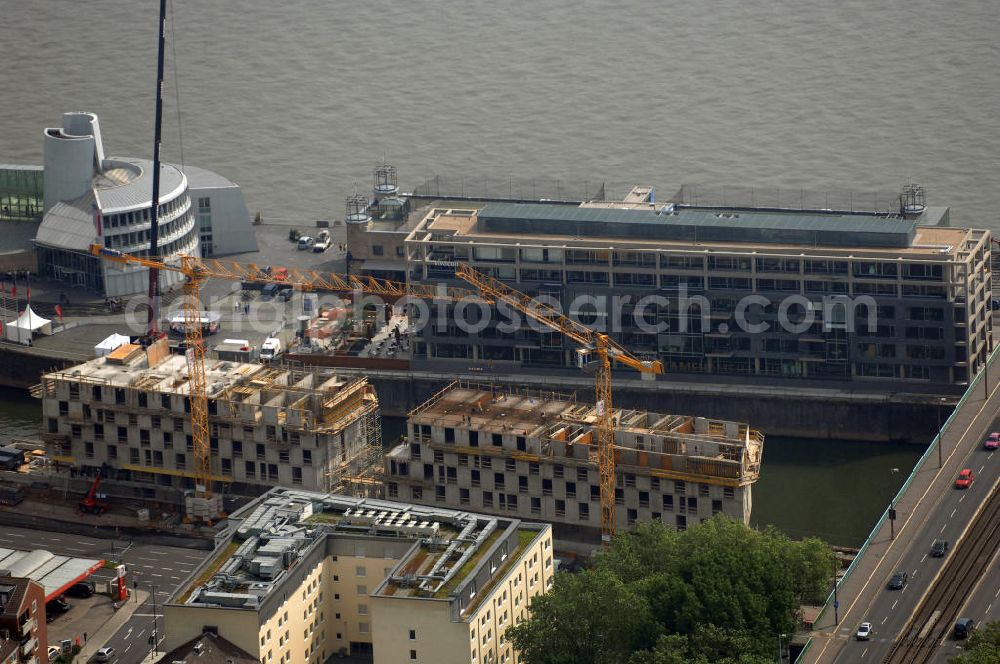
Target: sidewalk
[
  {"x": 97, "y": 640},
  {"x": 912, "y": 509}
]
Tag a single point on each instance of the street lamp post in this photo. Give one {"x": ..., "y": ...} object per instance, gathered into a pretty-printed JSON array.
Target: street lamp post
[
  {"x": 836, "y": 601},
  {"x": 940, "y": 442},
  {"x": 781, "y": 639},
  {"x": 892, "y": 506},
  {"x": 152, "y": 638}
]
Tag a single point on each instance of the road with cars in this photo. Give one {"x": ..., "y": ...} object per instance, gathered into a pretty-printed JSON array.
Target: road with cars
[
  {"x": 890, "y": 610},
  {"x": 153, "y": 567}
]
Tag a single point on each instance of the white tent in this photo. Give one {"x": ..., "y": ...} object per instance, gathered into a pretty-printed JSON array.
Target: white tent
[
  {"x": 22, "y": 329},
  {"x": 109, "y": 344}
]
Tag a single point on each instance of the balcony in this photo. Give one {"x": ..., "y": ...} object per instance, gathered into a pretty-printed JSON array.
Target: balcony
[
  {"x": 28, "y": 626},
  {"x": 28, "y": 647}
]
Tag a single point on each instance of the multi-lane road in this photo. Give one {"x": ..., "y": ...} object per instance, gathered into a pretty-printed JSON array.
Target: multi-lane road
[
  {"x": 947, "y": 514},
  {"x": 162, "y": 567}
]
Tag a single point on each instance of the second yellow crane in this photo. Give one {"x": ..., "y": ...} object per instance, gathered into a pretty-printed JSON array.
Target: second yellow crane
[{"x": 597, "y": 348}]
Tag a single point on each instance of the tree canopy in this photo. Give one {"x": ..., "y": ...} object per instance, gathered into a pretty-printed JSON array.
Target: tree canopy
[
  {"x": 716, "y": 592},
  {"x": 983, "y": 646}
]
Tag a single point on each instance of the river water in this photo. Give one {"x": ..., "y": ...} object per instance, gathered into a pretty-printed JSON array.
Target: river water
[
  {"x": 834, "y": 490},
  {"x": 297, "y": 101}
]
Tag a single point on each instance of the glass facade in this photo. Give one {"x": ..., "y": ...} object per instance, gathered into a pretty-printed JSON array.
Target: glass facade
[{"x": 21, "y": 193}]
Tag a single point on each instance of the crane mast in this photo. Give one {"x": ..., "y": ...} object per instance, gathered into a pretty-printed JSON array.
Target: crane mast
[
  {"x": 598, "y": 347},
  {"x": 593, "y": 343},
  {"x": 198, "y": 391}
]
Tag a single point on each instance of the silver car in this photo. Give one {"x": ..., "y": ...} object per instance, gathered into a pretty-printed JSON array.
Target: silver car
[
  {"x": 105, "y": 654},
  {"x": 864, "y": 631}
]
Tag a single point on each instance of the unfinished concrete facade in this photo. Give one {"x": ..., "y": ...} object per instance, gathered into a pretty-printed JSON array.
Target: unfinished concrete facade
[
  {"x": 533, "y": 455},
  {"x": 129, "y": 412}
]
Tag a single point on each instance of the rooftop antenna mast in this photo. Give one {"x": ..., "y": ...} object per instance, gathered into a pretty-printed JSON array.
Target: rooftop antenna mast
[{"x": 153, "y": 319}]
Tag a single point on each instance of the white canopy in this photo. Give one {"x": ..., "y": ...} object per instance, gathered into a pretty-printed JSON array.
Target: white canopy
[
  {"x": 109, "y": 344},
  {"x": 22, "y": 329}
]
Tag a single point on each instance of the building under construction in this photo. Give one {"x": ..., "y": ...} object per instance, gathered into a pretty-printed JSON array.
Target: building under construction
[
  {"x": 533, "y": 455},
  {"x": 129, "y": 413}
]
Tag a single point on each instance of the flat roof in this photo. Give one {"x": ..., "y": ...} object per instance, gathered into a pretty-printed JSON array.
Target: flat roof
[
  {"x": 55, "y": 573},
  {"x": 439, "y": 549},
  {"x": 702, "y": 225},
  {"x": 694, "y": 229}
]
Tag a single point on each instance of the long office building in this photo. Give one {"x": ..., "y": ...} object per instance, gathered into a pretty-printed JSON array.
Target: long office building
[
  {"x": 128, "y": 413},
  {"x": 829, "y": 296},
  {"x": 532, "y": 455},
  {"x": 303, "y": 577}
]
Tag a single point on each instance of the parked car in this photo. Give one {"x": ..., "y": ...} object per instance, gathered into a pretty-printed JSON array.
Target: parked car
[
  {"x": 306, "y": 242},
  {"x": 82, "y": 589},
  {"x": 864, "y": 631},
  {"x": 54, "y": 651},
  {"x": 285, "y": 293},
  {"x": 964, "y": 627},
  {"x": 992, "y": 441},
  {"x": 105, "y": 654},
  {"x": 965, "y": 478},
  {"x": 898, "y": 581},
  {"x": 938, "y": 548},
  {"x": 57, "y": 605}
]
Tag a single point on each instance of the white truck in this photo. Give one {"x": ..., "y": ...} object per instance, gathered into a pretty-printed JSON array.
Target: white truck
[
  {"x": 322, "y": 242},
  {"x": 270, "y": 349}
]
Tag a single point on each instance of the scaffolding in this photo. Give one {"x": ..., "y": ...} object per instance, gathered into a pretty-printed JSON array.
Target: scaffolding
[{"x": 358, "y": 471}]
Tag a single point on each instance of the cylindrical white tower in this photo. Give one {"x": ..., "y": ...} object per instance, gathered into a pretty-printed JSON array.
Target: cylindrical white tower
[{"x": 73, "y": 155}]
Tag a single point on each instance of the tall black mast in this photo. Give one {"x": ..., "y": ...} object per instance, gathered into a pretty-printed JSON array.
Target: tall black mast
[{"x": 153, "y": 321}]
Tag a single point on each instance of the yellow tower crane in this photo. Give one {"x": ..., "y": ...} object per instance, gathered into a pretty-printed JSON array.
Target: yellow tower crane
[
  {"x": 593, "y": 345},
  {"x": 198, "y": 271},
  {"x": 596, "y": 347}
]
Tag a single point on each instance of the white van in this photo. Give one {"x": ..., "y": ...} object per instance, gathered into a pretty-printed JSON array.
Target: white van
[{"x": 270, "y": 349}]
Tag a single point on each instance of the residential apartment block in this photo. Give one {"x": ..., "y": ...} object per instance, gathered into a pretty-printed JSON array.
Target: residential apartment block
[
  {"x": 305, "y": 576},
  {"x": 23, "y": 631},
  {"x": 533, "y": 455},
  {"x": 128, "y": 412},
  {"x": 891, "y": 295}
]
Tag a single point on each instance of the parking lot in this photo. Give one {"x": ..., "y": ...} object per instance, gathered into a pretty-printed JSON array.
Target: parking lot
[
  {"x": 85, "y": 617},
  {"x": 154, "y": 568}
]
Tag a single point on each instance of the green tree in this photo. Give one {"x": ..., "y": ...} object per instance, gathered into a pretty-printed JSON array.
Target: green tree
[
  {"x": 708, "y": 645},
  {"x": 983, "y": 646},
  {"x": 587, "y": 618},
  {"x": 716, "y": 592}
]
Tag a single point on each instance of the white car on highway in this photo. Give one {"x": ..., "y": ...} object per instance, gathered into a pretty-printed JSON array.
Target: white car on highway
[{"x": 864, "y": 631}]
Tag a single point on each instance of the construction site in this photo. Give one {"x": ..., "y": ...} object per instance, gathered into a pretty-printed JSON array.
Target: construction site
[
  {"x": 126, "y": 416},
  {"x": 533, "y": 455}
]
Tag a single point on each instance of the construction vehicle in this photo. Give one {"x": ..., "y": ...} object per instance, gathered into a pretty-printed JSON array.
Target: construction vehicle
[
  {"x": 597, "y": 350},
  {"x": 91, "y": 504}
]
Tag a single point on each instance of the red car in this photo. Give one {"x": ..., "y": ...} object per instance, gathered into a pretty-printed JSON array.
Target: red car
[
  {"x": 992, "y": 441},
  {"x": 965, "y": 479}
]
